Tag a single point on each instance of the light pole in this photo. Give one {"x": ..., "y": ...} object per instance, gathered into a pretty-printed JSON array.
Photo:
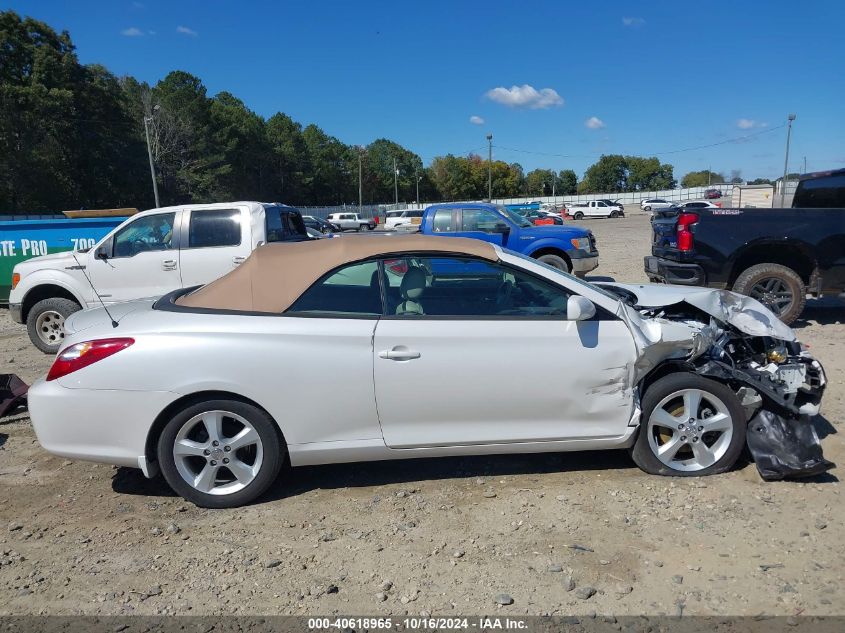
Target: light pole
[
  {"x": 395, "y": 182},
  {"x": 790, "y": 118},
  {"x": 418, "y": 178},
  {"x": 360, "y": 181},
  {"x": 147, "y": 121},
  {"x": 490, "y": 167}
]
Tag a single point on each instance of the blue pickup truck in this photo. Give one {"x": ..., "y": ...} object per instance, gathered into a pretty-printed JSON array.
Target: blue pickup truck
[{"x": 567, "y": 248}]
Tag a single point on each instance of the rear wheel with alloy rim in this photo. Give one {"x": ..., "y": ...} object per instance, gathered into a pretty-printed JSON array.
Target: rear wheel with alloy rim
[
  {"x": 220, "y": 453},
  {"x": 578, "y": 215},
  {"x": 690, "y": 426}
]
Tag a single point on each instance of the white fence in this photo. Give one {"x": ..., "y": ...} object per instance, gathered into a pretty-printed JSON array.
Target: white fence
[{"x": 631, "y": 197}]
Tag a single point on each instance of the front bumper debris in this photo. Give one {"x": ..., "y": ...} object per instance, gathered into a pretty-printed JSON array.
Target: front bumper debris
[
  {"x": 785, "y": 448},
  {"x": 12, "y": 393}
]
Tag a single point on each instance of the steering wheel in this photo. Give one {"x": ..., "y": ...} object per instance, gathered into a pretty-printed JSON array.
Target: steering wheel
[{"x": 504, "y": 296}]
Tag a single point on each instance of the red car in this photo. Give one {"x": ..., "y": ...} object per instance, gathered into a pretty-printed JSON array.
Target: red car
[{"x": 710, "y": 194}]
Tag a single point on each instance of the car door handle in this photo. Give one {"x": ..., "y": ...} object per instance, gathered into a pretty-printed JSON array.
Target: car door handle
[
  {"x": 168, "y": 264},
  {"x": 398, "y": 353},
  {"x": 238, "y": 259}
]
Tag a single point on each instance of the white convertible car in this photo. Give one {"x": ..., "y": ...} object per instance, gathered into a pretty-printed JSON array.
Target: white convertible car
[{"x": 220, "y": 386}]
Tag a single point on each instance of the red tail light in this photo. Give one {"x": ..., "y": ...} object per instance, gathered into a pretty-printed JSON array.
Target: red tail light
[
  {"x": 83, "y": 354},
  {"x": 685, "y": 236}
]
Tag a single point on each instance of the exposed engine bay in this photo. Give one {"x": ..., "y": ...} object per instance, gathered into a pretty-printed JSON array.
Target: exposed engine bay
[{"x": 736, "y": 341}]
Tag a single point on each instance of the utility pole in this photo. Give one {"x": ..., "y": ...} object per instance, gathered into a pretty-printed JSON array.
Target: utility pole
[
  {"x": 790, "y": 118},
  {"x": 360, "y": 181},
  {"x": 490, "y": 167},
  {"x": 417, "y": 177},
  {"x": 147, "y": 121},
  {"x": 709, "y": 174},
  {"x": 395, "y": 181},
  {"x": 804, "y": 171}
]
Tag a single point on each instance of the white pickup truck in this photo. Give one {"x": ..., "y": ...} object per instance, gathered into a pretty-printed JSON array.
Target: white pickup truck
[
  {"x": 148, "y": 255},
  {"x": 596, "y": 209}
]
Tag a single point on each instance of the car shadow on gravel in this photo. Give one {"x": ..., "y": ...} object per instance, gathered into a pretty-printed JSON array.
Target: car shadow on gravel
[
  {"x": 131, "y": 481},
  {"x": 3, "y": 438}
]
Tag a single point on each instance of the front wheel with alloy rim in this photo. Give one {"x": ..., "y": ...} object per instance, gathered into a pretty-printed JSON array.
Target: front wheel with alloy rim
[
  {"x": 220, "y": 453},
  {"x": 690, "y": 426},
  {"x": 777, "y": 287}
]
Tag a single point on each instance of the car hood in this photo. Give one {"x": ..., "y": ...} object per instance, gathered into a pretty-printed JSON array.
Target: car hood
[
  {"x": 747, "y": 315},
  {"x": 558, "y": 231},
  {"x": 53, "y": 260}
]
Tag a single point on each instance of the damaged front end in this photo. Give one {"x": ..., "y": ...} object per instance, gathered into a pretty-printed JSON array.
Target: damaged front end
[{"x": 736, "y": 341}]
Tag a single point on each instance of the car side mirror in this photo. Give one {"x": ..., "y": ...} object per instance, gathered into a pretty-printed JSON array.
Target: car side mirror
[
  {"x": 579, "y": 308},
  {"x": 501, "y": 227},
  {"x": 101, "y": 253}
]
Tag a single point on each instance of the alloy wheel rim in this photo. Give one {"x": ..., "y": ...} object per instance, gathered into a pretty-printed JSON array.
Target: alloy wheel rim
[
  {"x": 690, "y": 430},
  {"x": 50, "y": 326},
  {"x": 773, "y": 293},
  {"x": 218, "y": 452}
]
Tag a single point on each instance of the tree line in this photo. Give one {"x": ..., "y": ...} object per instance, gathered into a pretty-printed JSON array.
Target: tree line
[{"x": 72, "y": 136}]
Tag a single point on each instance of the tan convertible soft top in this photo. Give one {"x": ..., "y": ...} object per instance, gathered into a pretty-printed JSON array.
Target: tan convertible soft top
[{"x": 274, "y": 276}]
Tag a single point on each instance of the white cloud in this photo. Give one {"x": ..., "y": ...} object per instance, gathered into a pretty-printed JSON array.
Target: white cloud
[
  {"x": 476, "y": 120},
  {"x": 184, "y": 30},
  {"x": 633, "y": 21},
  {"x": 594, "y": 123},
  {"x": 747, "y": 124},
  {"x": 525, "y": 96},
  {"x": 132, "y": 32}
]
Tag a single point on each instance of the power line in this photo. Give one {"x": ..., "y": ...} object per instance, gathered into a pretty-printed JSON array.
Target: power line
[{"x": 736, "y": 139}]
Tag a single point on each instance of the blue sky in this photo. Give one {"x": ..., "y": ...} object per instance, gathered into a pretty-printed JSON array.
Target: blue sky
[{"x": 561, "y": 81}]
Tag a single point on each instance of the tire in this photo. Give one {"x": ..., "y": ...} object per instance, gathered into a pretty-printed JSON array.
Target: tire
[
  {"x": 45, "y": 322},
  {"x": 614, "y": 214},
  {"x": 578, "y": 215},
  {"x": 555, "y": 261},
  {"x": 648, "y": 209},
  {"x": 266, "y": 454},
  {"x": 777, "y": 287},
  {"x": 699, "y": 451}
]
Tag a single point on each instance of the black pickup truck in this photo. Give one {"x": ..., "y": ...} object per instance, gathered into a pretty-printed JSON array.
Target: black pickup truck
[{"x": 777, "y": 256}]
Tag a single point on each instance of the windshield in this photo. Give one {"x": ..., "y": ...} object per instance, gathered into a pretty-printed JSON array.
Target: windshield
[
  {"x": 395, "y": 214},
  {"x": 514, "y": 217}
]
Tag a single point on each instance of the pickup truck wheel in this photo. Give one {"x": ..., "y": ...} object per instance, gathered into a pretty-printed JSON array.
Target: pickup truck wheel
[
  {"x": 614, "y": 214},
  {"x": 555, "y": 262},
  {"x": 777, "y": 287},
  {"x": 45, "y": 323},
  {"x": 690, "y": 426},
  {"x": 578, "y": 215},
  {"x": 220, "y": 453}
]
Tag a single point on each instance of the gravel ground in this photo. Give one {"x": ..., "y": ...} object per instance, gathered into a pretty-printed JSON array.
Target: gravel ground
[{"x": 558, "y": 534}]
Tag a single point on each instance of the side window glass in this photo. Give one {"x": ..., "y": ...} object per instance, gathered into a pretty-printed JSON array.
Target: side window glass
[
  {"x": 352, "y": 290},
  {"x": 468, "y": 287},
  {"x": 218, "y": 227},
  {"x": 480, "y": 220},
  {"x": 150, "y": 233},
  {"x": 442, "y": 222}
]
